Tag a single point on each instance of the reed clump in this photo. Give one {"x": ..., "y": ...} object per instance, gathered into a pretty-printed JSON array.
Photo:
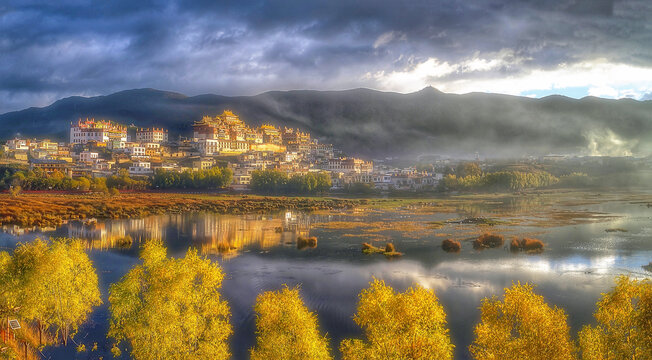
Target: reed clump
[
  {"x": 488, "y": 240},
  {"x": 526, "y": 244},
  {"x": 450, "y": 245}
]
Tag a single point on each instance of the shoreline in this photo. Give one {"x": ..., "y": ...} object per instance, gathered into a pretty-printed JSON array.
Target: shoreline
[{"x": 47, "y": 210}]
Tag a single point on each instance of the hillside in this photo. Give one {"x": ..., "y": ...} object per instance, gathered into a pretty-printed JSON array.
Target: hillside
[{"x": 373, "y": 123}]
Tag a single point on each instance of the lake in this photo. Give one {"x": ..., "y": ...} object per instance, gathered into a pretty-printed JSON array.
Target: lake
[{"x": 590, "y": 238}]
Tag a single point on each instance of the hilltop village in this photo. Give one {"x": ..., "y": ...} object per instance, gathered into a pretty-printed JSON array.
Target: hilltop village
[{"x": 102, "y": 148}]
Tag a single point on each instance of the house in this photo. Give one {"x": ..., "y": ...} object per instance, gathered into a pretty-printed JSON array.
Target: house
[
  {"x": 50, "y": 166},
  {"x": 140, "y": 168}
]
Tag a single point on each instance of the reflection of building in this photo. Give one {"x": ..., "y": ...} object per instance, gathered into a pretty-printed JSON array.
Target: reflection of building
[{"x": 210, "y": 233}]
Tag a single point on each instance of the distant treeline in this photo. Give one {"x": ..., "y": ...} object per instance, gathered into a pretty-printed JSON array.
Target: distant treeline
[
  {"x": 278, "y": 182},
  {"x": 215, "y": 178},
  {"x": 501, "y": 180},
  {"x": 37, "y": 179}
]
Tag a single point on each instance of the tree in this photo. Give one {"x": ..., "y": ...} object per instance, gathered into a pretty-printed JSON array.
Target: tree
[
  {"x": 522, "y": 326},
  {"x": 171, "y": 308},
  {"x": 214, "y": 178},
  {"x": 409, "y": 325},
  {"x": 286, "y": 329},
  {"x": 624, "y": 329},
  {"x": 468, "y": 169},
  {"x": 15, "y": 190},
  {"x": 7, "y": 289},
  {"x": 268, "y": 181},
  {"x": 56, "y": 284}
]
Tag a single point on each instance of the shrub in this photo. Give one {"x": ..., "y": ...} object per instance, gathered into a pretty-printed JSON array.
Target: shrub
[
  {"x": 487, "y": 240},
  {"x": 450, "y": 245}
]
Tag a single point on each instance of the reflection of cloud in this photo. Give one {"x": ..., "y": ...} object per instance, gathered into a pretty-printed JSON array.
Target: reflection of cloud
[{"x": 331, "y": 287}]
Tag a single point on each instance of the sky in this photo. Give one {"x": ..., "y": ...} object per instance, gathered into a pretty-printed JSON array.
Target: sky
[{"x": 54, "y": 49}]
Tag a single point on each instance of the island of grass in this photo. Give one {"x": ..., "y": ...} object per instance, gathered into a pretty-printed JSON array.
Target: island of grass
[
  {"x": 389, "y": 250},
  {"x": 615, "y": 230},
  {"x": 45, "y": 210}
]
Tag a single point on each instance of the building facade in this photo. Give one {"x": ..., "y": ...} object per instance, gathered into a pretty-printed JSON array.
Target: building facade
[
  {"x": 152, "y": 135},
  {"x": 101, "y": 131}
]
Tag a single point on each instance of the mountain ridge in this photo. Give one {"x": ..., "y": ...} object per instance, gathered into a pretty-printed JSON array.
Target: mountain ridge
[{"x": 374, "y": 123}]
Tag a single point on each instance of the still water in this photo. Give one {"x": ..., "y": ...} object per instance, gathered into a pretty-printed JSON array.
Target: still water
[{"x": 260, "y": 252}]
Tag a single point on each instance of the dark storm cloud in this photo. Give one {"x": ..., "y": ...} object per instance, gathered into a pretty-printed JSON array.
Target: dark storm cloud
[{"x": 60, "y": 48}]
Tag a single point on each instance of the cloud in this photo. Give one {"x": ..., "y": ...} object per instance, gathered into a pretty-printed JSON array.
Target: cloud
[
  {"x": 67, "y": 47},
  {"x": 493, "y": 73}
]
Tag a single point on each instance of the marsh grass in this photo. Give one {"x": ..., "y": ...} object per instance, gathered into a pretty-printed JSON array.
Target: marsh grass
[{"x": 53, "y": 209}]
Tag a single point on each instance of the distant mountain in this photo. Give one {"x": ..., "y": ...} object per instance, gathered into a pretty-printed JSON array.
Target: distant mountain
[{"x": 374, "y": 124}]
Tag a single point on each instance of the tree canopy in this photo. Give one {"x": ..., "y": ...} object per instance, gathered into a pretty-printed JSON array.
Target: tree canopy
[
  {"x": 170, "y": 308},
  {"x": 278, "y": 182},
  {"x": 624, "y": 329},
  {"x": 500, "y": 180},
  {"x": 52, "y": 283},
  {"x": 286, "y": 329},
  {"x": 214, "y": 178},
  {"x": 409, "y": 325},
  {"x": 522, "y": 326}
]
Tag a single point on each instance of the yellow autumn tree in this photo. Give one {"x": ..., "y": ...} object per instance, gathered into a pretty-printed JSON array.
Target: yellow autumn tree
[
  {"x": 7, "y": 303},
  {"x": 286, "y": 329},
  {"x": 170, "y": 308},
  {"x": 7, "y": 286},
  {"x": 624, "y": 329},
  {"x": 522, "y": 326},
  {"x": 55, "y": 285},
  {"x": 409, "y": 325}
]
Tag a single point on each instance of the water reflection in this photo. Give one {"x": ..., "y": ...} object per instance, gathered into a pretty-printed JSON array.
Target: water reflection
[
  {"x": 261, "y": 252},
  {"x": 226, "y": 235}
]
